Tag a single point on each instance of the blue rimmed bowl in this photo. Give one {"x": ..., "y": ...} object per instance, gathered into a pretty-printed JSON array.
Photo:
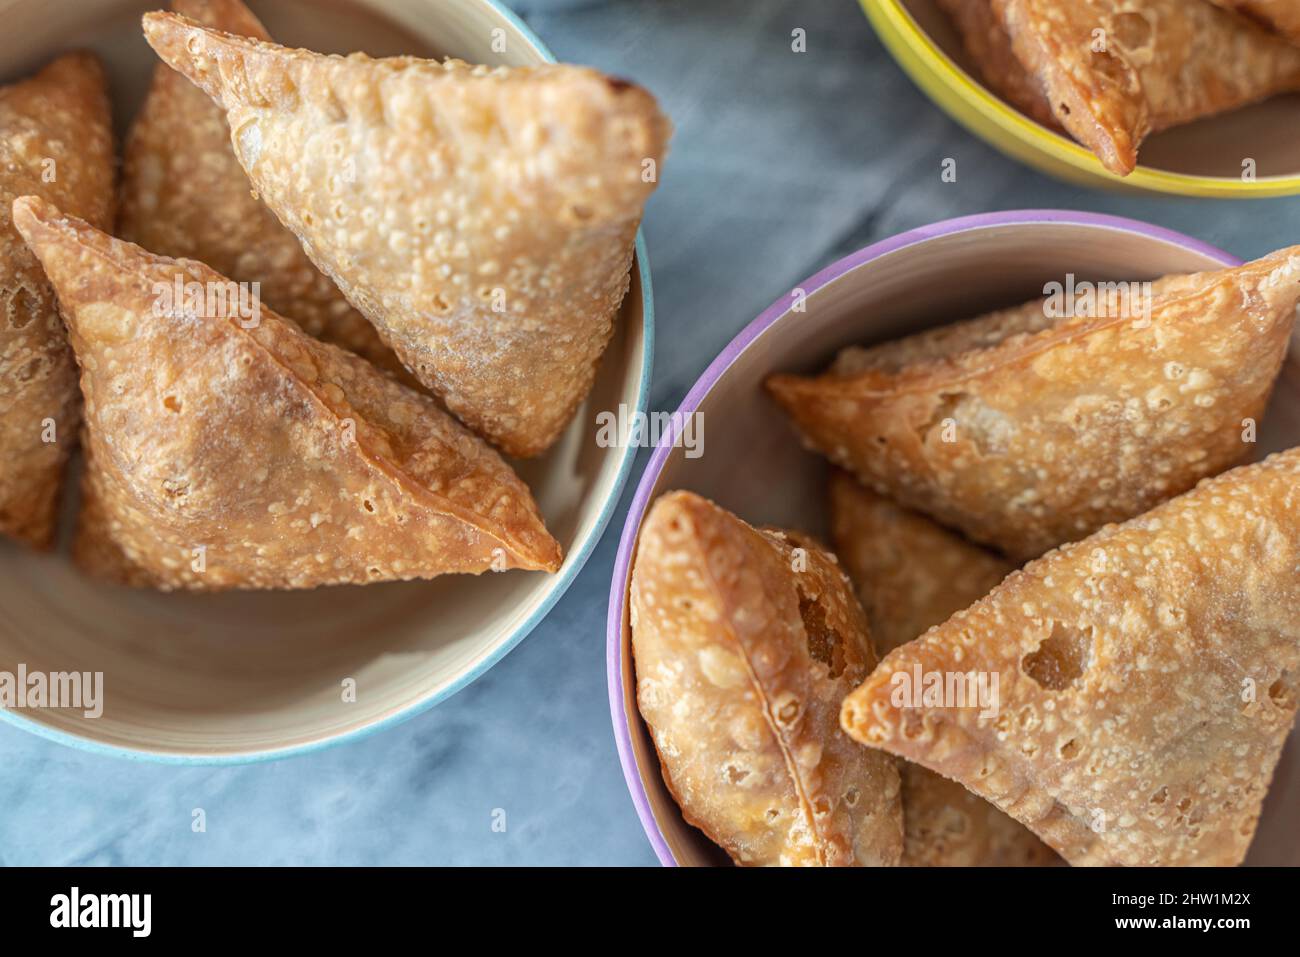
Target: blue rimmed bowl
[{"x": 241, "y": 677}]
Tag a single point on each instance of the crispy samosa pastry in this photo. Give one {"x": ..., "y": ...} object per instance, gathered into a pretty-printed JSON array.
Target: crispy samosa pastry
[
  {"x": 228, "y": 449},
  {"x": 1282, "y": 16},
  {"x": 482, "y": 219},
  {"x": 1145, "y": 679},
  {"x": 1037, "y": 425},
  {"x": 185, "y": 195},
  {"x": 745, "y": 643},
  {"x": 988, "y": 45},
  {"x": 56, "y": 140},
  {"x": 910, "y": 574},
  {"x": 1115, "y": 71}
]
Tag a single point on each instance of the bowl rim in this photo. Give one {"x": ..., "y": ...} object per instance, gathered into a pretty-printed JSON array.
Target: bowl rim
[
  {"x": 621, "y": 579},
  {"x": 913, "y": 49},
  {"x": 573, "y": 564}
]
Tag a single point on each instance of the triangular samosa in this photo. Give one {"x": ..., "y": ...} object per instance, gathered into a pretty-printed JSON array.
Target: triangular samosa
[
  {"x": 185, "y": 195},
  {"x": 910, "y": 574},
  {"x": 483, "y": 219},
  {"x": 1115, "y": 71},
  {"x": 745, "y": 643},
  {"x": 1144, "y": 679},
  {"x": 1039, "y": 424},
  {"x": 56, "y": 141},
  {"x": 228, "y": 449}
]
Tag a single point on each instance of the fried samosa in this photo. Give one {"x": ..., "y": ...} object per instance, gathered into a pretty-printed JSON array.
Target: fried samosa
[
  {"x": 228, "y": 449},
  {"x": 56, "y": 141},
  {"x": 1039, "y": 424},
  {"x": 482, "y": 219},
  {"x": 1115, "y": 71},
  {"x": 1282, "y": 16},
  {"x": 910, "y": 574},
  {"x": 745, "y": 643},
  {"x": 987, "y": 44},
  {"x": 185, "y": 195},
  {"x": 1145, "y": 677}
]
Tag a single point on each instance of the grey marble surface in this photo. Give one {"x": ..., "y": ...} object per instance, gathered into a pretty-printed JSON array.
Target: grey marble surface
[{"x": 781, "y": 163}]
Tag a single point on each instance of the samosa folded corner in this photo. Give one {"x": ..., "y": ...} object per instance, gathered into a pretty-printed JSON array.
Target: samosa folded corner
[{"x": 918, "y": 688}]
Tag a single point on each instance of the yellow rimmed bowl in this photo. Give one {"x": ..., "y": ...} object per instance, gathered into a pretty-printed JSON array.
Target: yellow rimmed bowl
[{"x": 1204, "y": 158}]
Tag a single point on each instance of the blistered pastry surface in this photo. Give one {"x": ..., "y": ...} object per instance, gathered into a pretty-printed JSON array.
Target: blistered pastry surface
[
  {"x": 910, "y": 575},
  {"x": 483, "y": 219},
  {"x": 744, "y": 649},
  {"x": 1147, "y": 679},
  {"x": 185, "y": 195},
  {"x": 1025, "y": 432},
  {"x": 56, "y": 141},
  {"x": 1115, "y": 71},
  {"x": 223, "y": 454},
  {"x": 987, "y": 44},
  {"x": 1282, "y": 16}
]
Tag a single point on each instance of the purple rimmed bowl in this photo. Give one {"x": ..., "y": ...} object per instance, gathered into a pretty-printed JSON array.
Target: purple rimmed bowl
[{"x": 752, "y": 463}]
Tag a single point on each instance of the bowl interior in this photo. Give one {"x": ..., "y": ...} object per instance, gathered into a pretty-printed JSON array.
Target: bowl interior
[
  {"x": 1268, "y": 132},
  {"x": 242, "y": 673},
  {"x": 754, "y": 465}
]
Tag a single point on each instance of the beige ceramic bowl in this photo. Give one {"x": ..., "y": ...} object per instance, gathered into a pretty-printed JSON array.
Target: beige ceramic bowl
[
  {"x": 238, "y": 677},
  {"x": 753, "y": 463}
]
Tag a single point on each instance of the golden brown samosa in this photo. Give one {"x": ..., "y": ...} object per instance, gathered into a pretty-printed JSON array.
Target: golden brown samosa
[
  {"x": 483, "y": 219},
  {"x": 1115, "y": 71},
  {"x": 1037, "y": 425},
  {"x": 1145, "y": 678},
  {"x": 56, "y": 141},
  {"x": 745, "y": 643},
  {"x": 910, "y": 574},
  {"x": 228, "y": 449},
  {"x": 1282, "y": 16},
  {"x": 185, "y": 195},
  {"x": 987, "y": 44}
]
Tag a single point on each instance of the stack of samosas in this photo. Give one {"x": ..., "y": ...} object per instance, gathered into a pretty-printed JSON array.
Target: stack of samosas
[
  {"x": 338, "y": 279},
  {"x": 1122, "y": 699},
  {"x": 1112, "y": 72},
  {"x": 57, "y": 143}
]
